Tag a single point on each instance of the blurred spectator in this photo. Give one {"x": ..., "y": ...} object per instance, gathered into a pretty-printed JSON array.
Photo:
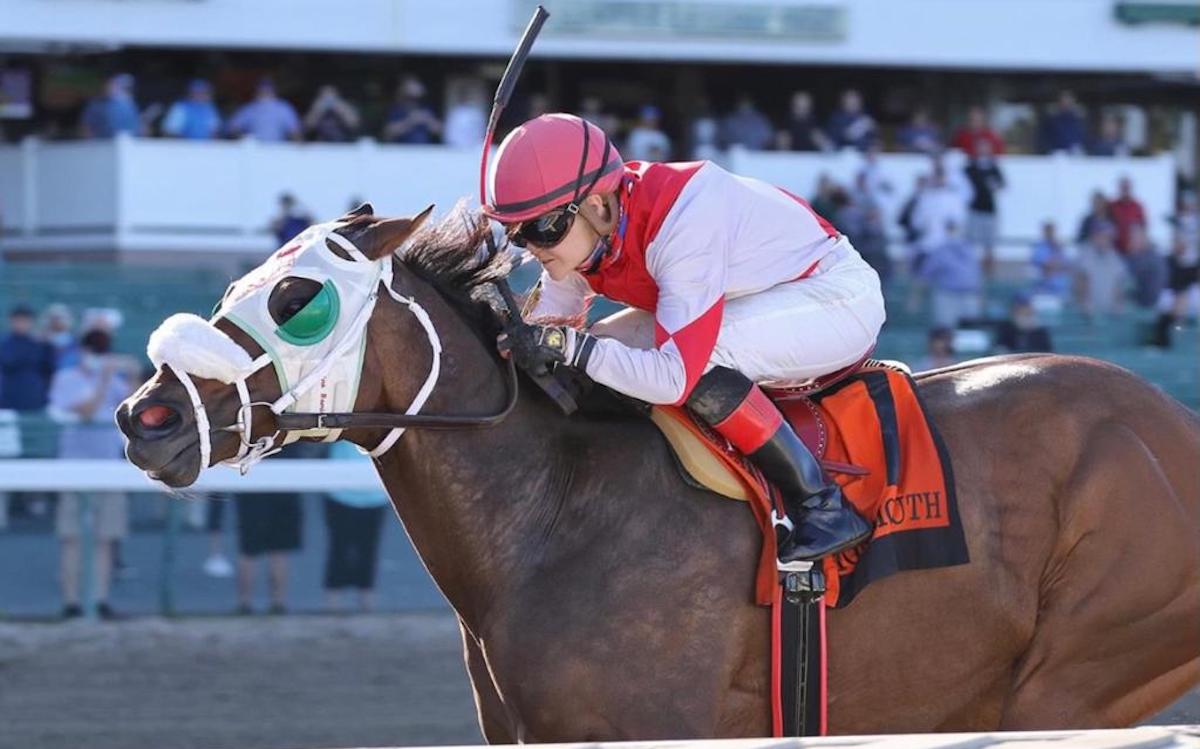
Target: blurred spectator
[
  {"x": 704, "y": 134},
  {"x": 850, "y": 126},
  {"x": 1186, "y": 219},
  {"x": 354, "y": 520},
  {"x": 829, "y": 198},
  {"x": 986, "y": 179},
  {"x": 802, "y": 132},
  {"x": 290, "y": 221},
  {"x": 867, "y": 235},
  {"x": 466, "y": 120},
  {"x": 113, "y": 112},
  {"x": 912, "y": 234},
  {"x": 591, "y": 108},
  {"x": 216, "y": 564},
  {"x": 57, "y": 323},
  {"x": 410, "y": 119},
  {"x": 1049, "y": 259},
  {"x": 955, "y": 277},
  {"x": 1110, "y": 141},
  {"x": 647, "y": 141},
  {"x": 920, "y": 135},
  {"x": 332, "y": 119},
  {"x": 1064, "y": 127},
  {"x": 268, "y": 118},
  {"x": 940, "y": 205},
  {"x": 1127, "y": 213},
  {"x": 874, "y": 173},
  {"x": 83, "y": 398},
  {"x": 1098, "y": 217},
  {"x": 863, "y": 194},
  {"x": 976, "y": 130},
  {"x": 1147, "y": 268},
  {"x": 747, "y": 127},
  {"x": 1183, "y": 285},
  {"x": 1103, "y": 274},
  {"x": 26, "y": 364},
  {"x": 939, "y": 350},
  {"x": 194, "y": 117},
  {"x": 270, "y": 525},
  {"x": 1021, "y": 333}
]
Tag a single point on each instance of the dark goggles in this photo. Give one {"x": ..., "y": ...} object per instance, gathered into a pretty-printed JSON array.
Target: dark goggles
[{"x": 547, "y": 230}]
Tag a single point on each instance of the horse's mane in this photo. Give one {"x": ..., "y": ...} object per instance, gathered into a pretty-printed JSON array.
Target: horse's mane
[{"x": 456, "y": 257}]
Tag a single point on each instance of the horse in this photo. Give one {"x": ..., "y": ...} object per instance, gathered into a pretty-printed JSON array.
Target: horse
[{"x": 602, "y": 597}]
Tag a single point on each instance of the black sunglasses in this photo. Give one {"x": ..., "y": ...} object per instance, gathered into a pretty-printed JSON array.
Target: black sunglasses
[{"x": 547, "y": 230}]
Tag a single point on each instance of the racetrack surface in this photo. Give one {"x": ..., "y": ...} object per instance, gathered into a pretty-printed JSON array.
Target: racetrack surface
[{"x": 250, "y": 683}]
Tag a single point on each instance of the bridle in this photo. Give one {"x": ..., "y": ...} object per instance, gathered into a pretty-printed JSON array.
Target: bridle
[{"x": 290, "y": 426}]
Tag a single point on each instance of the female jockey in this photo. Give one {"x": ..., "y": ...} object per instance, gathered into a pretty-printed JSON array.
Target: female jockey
[{"x": 744, "y": 281}]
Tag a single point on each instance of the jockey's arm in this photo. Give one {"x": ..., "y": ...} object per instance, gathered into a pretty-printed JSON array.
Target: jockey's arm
[
  {"x": 688, "y": 261},
  {"x": 564, "y": 300}
]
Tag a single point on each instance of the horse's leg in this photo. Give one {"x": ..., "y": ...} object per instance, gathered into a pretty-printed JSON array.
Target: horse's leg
[
  {"x": 493, "y": 718},
  {"x": 1117, "y": 637}
]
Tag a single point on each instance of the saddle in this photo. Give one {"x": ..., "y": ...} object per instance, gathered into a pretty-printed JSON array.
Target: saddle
[
  {"x": 868, "y": 427},
  {"x": 708, "y": 460}
]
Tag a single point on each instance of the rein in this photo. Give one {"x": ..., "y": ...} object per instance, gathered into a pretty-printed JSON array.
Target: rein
[{"x": 357, "y": 420}]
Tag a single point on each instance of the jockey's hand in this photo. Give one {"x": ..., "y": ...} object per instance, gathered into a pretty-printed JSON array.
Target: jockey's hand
[{"x": 538, "y": 349}]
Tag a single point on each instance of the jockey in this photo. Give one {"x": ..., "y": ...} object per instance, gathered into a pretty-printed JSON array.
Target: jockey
[{"x": 739, "y": 281}]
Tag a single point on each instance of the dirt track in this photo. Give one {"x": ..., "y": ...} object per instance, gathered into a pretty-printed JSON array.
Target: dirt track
[{"x": 249, "y": 683}]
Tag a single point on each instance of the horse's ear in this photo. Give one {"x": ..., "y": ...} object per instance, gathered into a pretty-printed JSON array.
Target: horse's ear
[
  {"x": 385, "y": 237},
  {"x": 364, "y": 209}
]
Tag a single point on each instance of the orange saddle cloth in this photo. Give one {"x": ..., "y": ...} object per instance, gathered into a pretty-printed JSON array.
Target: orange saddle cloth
[{"x": 873, "y": 436}]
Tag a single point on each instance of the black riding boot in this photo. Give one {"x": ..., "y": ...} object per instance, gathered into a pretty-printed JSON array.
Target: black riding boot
[{"x": 819, "y": 521}]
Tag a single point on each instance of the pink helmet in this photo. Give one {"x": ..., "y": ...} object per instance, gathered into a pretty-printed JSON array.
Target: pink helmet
[{"x": 550, "y": 161}]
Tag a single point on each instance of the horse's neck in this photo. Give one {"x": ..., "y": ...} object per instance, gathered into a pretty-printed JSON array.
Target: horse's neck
[{"x": 472, "y": 499}]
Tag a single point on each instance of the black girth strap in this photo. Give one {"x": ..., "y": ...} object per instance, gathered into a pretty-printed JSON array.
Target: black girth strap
[{"x": 801, "y": 688}]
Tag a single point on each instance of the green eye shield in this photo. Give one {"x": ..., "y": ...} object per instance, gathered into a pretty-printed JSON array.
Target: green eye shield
[{"x": 315, "y": 320}]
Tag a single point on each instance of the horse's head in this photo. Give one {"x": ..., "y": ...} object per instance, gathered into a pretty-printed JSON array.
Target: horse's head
[{"x": 289, "y": 335}]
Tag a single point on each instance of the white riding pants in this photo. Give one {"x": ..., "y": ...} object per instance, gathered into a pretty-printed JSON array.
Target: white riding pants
[{"x": 791, "y": 332}]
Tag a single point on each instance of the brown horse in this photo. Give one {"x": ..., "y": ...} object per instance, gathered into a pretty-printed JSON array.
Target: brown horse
[{"x": 601, "y": 597}]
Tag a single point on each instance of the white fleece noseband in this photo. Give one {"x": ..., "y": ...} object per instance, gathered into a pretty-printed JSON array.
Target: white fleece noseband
[{"x": 318, "y": 374}]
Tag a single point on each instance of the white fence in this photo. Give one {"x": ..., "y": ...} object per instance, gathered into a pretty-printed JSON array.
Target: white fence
[
  {"x": 132, "y": 194},
  {"x": 117, "y": 475}
]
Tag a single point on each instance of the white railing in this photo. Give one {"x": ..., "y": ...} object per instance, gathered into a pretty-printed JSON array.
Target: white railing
[
  {"x": 69, "y": 475},
  {"x": 134, "y": 194}
]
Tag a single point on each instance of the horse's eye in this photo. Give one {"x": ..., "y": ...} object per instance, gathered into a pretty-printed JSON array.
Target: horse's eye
[{"x": 303, "y": 323}]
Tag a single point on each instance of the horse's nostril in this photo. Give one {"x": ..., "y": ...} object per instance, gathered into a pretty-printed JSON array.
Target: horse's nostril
[
  {"x": 155, "y": 416},
  {"x": 155, "y": 421}
]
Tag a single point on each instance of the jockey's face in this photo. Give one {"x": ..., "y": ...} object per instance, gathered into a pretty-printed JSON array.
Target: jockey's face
[{"x": 576, "y": 247}]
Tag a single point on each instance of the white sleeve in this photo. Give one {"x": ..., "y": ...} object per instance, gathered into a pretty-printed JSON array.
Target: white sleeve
[
  {"x": 563, "y": 299},
  {"x": 688, "y": 260}
]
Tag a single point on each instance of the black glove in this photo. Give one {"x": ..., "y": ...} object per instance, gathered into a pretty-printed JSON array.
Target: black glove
[{"x": 538, "y": 349}]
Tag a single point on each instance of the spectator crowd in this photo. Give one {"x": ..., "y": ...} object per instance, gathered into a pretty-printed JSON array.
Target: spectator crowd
[
  {"x": 643, "y": 131},
  {"x": 54, "y": 371}
]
